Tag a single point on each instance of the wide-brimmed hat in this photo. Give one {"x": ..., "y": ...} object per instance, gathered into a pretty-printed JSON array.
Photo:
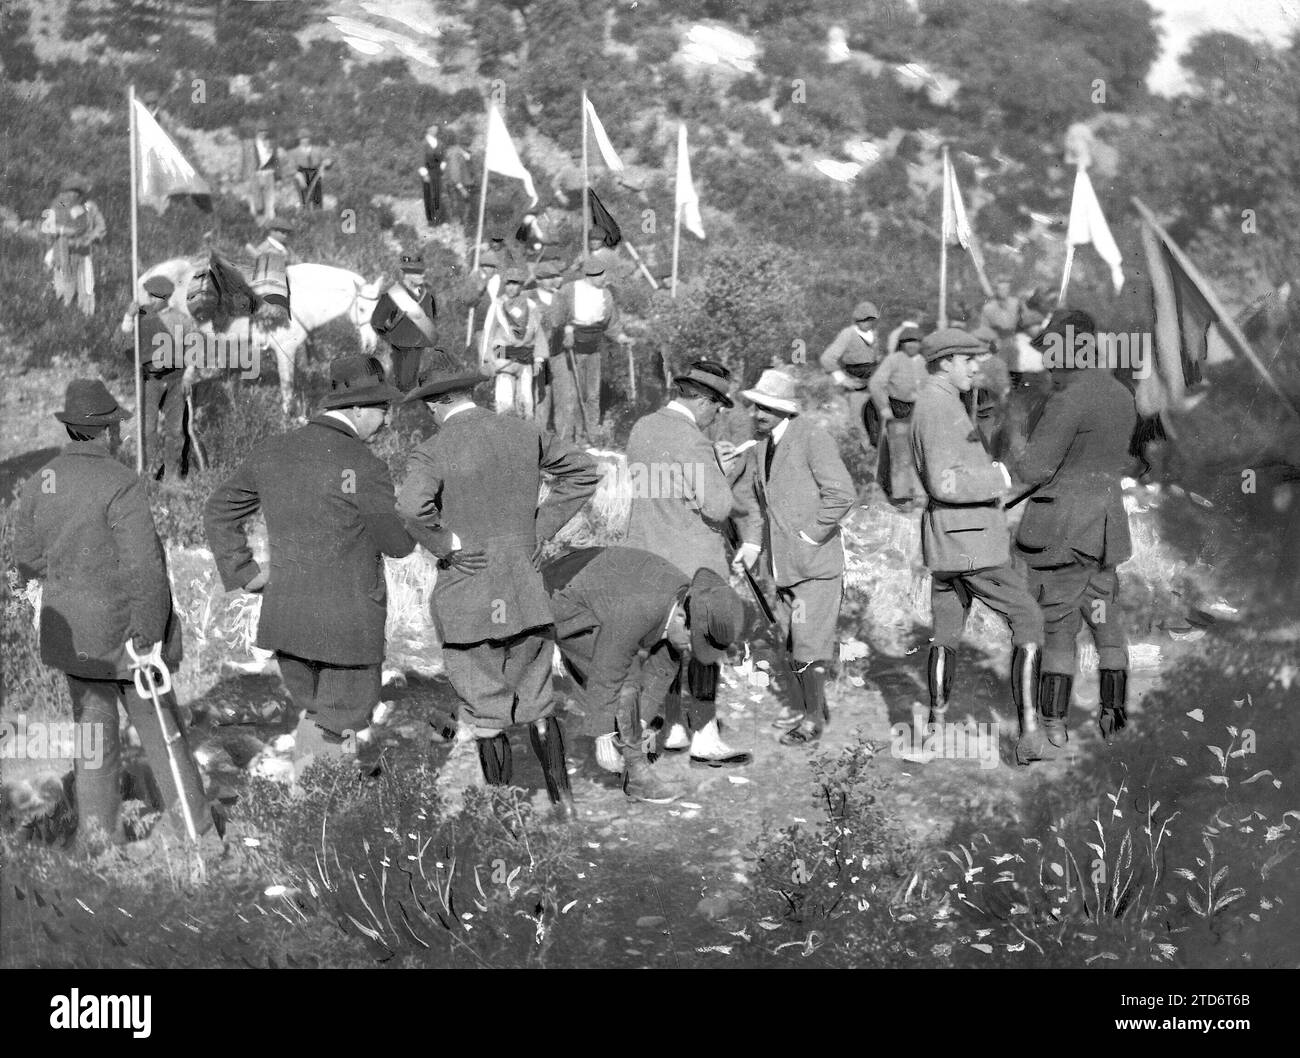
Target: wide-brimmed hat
[
  {"x": 445, "y": 375},
  {"x": 865, "y": 310},
  {"x": 710, "y": 380},
  {"x": 714, "y": 615},
  {"x": 951, "y": 341},
  {"x": 74, "y": 182},
  {"x": 87, "y": 402},
  {"x": 159, "y": 286},
  {"x": 1061, "y": 319},
  {"x": 775, "y": 390},
  {"x": 358, "y": 382}
]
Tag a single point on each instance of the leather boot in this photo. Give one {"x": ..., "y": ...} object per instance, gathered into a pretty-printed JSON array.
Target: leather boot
[
  {"x": 940, "y": 671},
  {"x": 640, "y": 781},
  {"x": 548, "y": 744},
  {"x": 1114, "y": 700},
  {"x": 495, "y": 759},
  {"x": 813, "y": 679},
  {"x": 1054, "y": 702},
  {"x": 1031, "y": 745}
]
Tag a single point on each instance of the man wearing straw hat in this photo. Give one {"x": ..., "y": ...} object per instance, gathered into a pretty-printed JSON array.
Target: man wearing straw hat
[
  {"x": 330, "y": 520},
  {"x": 73, "y": 225},
  {"x": 682, "y": 499},
  {"x": 964, "y": 538},
  {"x": 470, "y": 497},
  {"x": 800, "y": 484},
  {"x": 84, "y": 527}
]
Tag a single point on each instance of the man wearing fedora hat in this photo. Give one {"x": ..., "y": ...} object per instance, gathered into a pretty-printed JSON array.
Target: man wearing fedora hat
[
  {"x": 84, "y": 528},
  {"x": 850, "y": 360},
  {"x": 964, "y": 538},
  {"x": 310, "y": 163},
  {"x": 588, "y": 313},
  {"x": 470, "y": 497},
  {"x": 799, "y": 484},
  {"x": 330, "y": 520},
  {"x": 516, "y": 344},
  {"x": 616, "y": 609},
  {"x": 72, "y": 226},
  {"x": 1075, "y": 532},
  {"x": 682, "y": 500},
  {"x": 403, "y": 317}
]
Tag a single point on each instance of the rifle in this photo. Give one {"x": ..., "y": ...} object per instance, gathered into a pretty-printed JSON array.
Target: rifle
[
  {"x": 145, "y": 666},
  {"x": 734, "y": 542},
  {"x": 577, "y": 388}
]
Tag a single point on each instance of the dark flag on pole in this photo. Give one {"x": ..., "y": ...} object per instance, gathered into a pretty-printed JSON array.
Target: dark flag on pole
[{"x": 604, "y": 224}]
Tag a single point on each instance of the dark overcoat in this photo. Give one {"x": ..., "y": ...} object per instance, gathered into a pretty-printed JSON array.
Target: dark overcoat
[{"x": 330, "y": 520}]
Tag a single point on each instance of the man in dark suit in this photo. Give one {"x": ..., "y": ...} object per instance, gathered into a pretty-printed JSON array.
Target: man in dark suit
[
  {"x": 163, "y": 377},
  {"x": 1075, "y": 530},
  {"x": 616, "y": 610},
  {"x": 471, "y": 498},
  {"x": 330, "y": 520},
  {"x": 404, "y": 317},
  {"x": 964, "y": 538},
  {"x": 84, "y": 528},
  {"x": 800, "y": 484}
]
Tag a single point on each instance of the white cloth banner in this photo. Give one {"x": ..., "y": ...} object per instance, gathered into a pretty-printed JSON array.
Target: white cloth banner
[
  {"x": 602, "y": 141},
  {"x": 688, "y": 202},
  {"x": 500, "y": 156},
  {"x": 1088, "y": 225}
]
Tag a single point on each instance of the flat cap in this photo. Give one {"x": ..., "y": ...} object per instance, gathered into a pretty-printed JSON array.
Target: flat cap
[{"x": 951, "y": 341}]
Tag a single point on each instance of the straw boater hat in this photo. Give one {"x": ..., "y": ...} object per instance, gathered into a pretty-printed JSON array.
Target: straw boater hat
[
  {"x": 445, "y": 375},
  {"x": 775, "y": 390},
  {"x": 701, "y": 375},
  {"x": 714, "y": 614},
  {"x": 87, "y": 402},
  {"x": 358, "y": 382}
]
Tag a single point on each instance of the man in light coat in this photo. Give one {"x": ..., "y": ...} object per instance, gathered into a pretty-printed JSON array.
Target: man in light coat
[
  {"x": 84, "y": 528},
  {"x": 330, "y": 520},
  {"x": 850, "y": 360},
  {"x": 682, "y": 500},
  {"x": 470, "y": 497},
  {"x": 803, "y": 492},
  {"x": 965, "y": 542}
]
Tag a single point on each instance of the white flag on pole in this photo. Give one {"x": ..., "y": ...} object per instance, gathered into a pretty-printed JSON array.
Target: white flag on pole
[
  {"x": 500, "y": 156},
  {"x": 956, "y": 228},
  {"x": 602, "y": 141},
  {"x": 163, "y": 170},
  {"x": 1088, "y": 225},
  {"x": 688, "y": 202}
]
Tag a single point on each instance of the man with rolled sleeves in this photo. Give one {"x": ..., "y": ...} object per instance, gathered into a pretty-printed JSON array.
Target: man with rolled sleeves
[
  {"x": 682, "y": 500},
  {"x": 615, "y": 607},
  {"x": 84, "y": 528},
  {"x": 470, "y": 498},
  {"x": 803, "y": 490},
  {"x": 964, "y": 538},
  {"x": 1074, "y": 532},
  {"x": 850, "y": 360},
  {"x": 403, "y": 317},
  {"x": 330, "y": 520}
]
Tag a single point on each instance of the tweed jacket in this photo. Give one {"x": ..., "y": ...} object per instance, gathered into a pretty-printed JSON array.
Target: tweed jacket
[
  {"x": 328, "y": 504},
  {"x": 681, "y": 500},
  {"x": 808, "y": 492},
  {"x": 84, "y": 527},
  {"x": 392, "y": 324},
  {"x": 964, "y": 527},
  {"x": 1076, "y": 455},
  {"x": 610, "y": 604},
  {"x": 478, "y": 478}
]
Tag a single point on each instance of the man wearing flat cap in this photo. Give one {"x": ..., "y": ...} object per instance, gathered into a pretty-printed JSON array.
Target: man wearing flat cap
[
  {"x": 72, "y": 226},
  {"x": 682, "y": 501},
  {"x": 850, "y": 360},
  {"x": 470, "y": 497},
  {"x": 330, "y": 520},
  {"x": 1075, "y": 532},
  {"x": 802, "y": 491},
  {"x": 964, "y": 538},
  {"x": 588, "y": 313},
  {"x": 615, "y": 608},
  {"x": 84, "y": 528},
  {"x": 516, "y": 345},
  {"x": 403, "y": 317},
  {"x": 893, "y": 388}
]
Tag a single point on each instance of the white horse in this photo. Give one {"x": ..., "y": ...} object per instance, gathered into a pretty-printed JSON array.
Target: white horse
[{"x": 319, "y": 294}]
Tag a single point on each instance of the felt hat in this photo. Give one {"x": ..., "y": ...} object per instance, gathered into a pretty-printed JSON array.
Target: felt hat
[
  {"x": 358, "y": 382},
  {"x": 711, "y": 376},
  {"x": 1061, "y": 319},
  {"x": 87, "y": 402},
  {"x": 159, "y": 286},
  {"x": 775, "y": 390},
  {"x": 909, "y": 334},
  {"x": 445, "y": 375},
  {"x": 715, "y": 616},
  {"x": 951, "y": 341}
]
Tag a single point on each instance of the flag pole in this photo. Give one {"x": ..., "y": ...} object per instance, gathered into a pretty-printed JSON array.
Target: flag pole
[
  {"x": 677, "y": 242},
  {"x": 943, "y": 245},
  {"x": 135, "y": 278},
  {"x": 1065, "y": 276},
  {"x": 478, "y": 234},
  {"x": 654, "y": 283},
  {"x": 586, "y": 182}
]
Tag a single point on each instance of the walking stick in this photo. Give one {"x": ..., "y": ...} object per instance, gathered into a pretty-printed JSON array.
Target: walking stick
[
  {"x": 577, "y": 388},
  {"x": 144, "y": 667}
]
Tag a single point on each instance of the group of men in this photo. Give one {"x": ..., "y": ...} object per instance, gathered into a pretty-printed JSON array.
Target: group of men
[{"x": 264, "y": 164}]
